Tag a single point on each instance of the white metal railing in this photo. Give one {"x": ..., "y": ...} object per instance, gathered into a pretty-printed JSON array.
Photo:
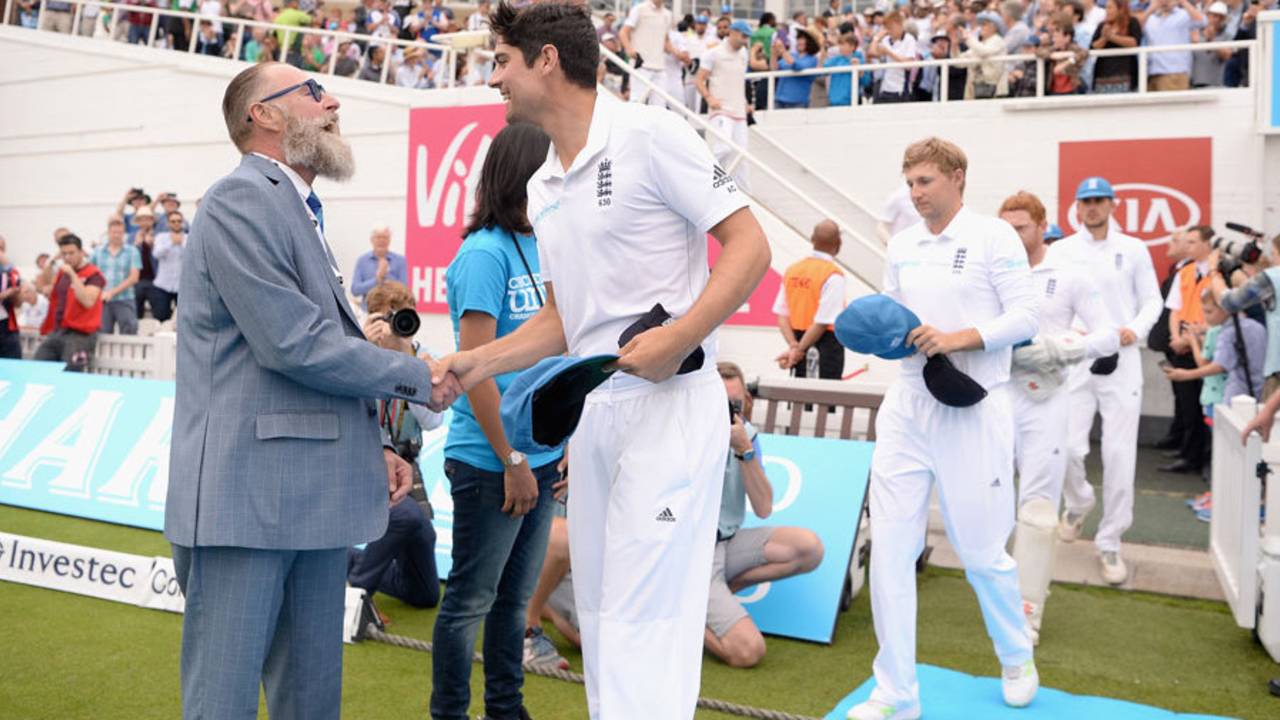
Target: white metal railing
[
  {"x": 1143, "y": 52},
  {"x": 148, "y": 357},
  {"x": 1234, "y": 542},
  {"x": 743, "y": 156},
  {"x": 290, "y": 33}
]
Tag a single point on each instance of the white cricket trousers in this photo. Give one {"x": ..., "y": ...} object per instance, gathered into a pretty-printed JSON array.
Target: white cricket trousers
[
  {"x": 737, "y": 131},
  {"x": 1040, "y": 444},
  {"x": 969, "y": 452},
  {"x": 1118, "y": 397},
  {"x": 641, "y": 92},
  {"x": 647, "y": 467}
]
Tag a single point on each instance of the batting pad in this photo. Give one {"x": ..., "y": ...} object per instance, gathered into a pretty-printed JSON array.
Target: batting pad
[{"x": 950, "y": 695}]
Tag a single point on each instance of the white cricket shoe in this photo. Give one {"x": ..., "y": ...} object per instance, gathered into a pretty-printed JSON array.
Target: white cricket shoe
[
  {"x": 876, "y": 710},
  {"x": 1071, "y": 525},
  {"x": 1034, "y": 613},
  {"x": 1020, "y": 683},
  {"x": 1114, "y": 571}
]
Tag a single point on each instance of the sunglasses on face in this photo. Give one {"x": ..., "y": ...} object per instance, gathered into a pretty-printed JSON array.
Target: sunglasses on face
[{"x": 314, "y": 89}]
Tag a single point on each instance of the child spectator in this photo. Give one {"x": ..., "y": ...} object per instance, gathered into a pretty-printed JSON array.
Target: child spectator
[{"x": 841, "y": 84}]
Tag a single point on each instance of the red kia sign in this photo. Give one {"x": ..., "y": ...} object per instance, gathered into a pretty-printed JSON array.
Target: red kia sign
[
  {"x": 1160, "y": 185},
  {"x": 447, "y": 147}
]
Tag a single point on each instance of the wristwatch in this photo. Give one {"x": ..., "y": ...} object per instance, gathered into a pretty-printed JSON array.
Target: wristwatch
[
  {"x": 515, "y": 458},
  {"x": 747, "y": 456}
]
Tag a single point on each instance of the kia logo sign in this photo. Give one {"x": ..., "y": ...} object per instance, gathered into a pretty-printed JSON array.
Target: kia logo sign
[{"x": 1148, "y": 211}]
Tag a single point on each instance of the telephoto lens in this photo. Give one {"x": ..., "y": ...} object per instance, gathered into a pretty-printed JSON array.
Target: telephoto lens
[{"x": 404, "y": 322}]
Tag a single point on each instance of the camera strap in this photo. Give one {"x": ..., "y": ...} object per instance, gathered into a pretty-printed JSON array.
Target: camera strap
[
  {"x": 528, "y": 271},
  {"x": 1242, "y": 353}
]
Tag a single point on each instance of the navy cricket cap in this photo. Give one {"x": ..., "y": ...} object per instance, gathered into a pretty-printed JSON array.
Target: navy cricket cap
[
  {"x": 541, "y": 408},
  {"x": 877, "y": 325}
]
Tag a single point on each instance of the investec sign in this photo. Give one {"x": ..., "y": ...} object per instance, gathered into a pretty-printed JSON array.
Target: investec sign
[{"x": 1161, "y": 185}]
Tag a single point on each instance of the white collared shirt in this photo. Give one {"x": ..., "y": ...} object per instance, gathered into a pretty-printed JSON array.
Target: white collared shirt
[
  {"x": 830, "y": 300},
  {"x": 1066, "y": 294},
  {"x": 974, "y": 274},
  {"x": 304, "y": 191},
  {"x": 1173, "y": 300},
  {"x": 649, "y": 26},
  {"x": 1121, "y": 267},
  {"x": 626, "y": 226}
]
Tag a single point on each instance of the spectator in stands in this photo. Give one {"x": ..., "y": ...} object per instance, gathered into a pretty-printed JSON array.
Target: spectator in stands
[
  {"x": 840, "y": 85},
  {"x": 177, "y": 29},
  {"x": 208, "y": 41},
  {"x": 607, "y": 25},
  {"x": 28, "y": 13},
  {"x": 120, "y": 265},
  {"x": 810, "y": 298},
  {"x": 1186, "y": 318},
  {"x": 133, "y": 200},
  {"x": 402, "y": 563},
  {"x": 169, "y": 248},
  {"x": 611, "y": 74},
  {"x": 1019, "y": 33},
  {"x": 440, "y": 20},
  {"x": 762, "y": 48},
  {"x": 35, "y": 306},
  {"x": 479, "y": 20},
  {"x": 743, "y": 557},
  {"x": 1258, "y": 290},
  {"x": 70, "y": 328},
  {"x": 987, "y": 78},
  {"x": 144, "y": 238},
  {"x": 259, "y": 10},
  {"x": 1219, "y": 363},
  {"x": 10, "y": 303},
  {"x": 1237, "y": 70},
  {"x": 139, "y": 23},
  {"x": 414, "y": 71},
  {"x": 372, "y": 70},
  {"x": 57, "y": 16},
  {"x": 1208, "y": 67},
  {"x": 794, "y": 92},
  {"x": 166, "y": 203},
  {"x": 290, "y": 16},
  {"x": 44, "y": 269},
  {"x": 1170, "y": 22},
  {"x": 1120, "y": 30},
  {"x": 893, "y": 44},
  {"x": 378, "y": 266},
  {"x": 1063, "y": 72}
]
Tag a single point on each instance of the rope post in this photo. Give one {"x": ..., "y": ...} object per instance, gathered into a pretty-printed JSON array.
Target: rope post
[
  {"x": 195, "y": 35},
  {"x": 1142, "y": 69},
  {"x": 155, "y": 26},
  {"x": 333, "y": 58},
  {"x": 1040, "y": 78},
  {"x": 771, "y": 86},
  {"x": 240, "y": 28},
  {"x": 386, "y": 64},
  {"x": 944, "y": 80}
]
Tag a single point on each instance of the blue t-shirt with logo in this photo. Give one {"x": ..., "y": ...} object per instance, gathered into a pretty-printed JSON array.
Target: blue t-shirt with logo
[{"x": 488, "y": 276}]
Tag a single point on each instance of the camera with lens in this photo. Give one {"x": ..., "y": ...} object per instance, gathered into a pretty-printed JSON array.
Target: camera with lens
[
  {"x": 1233, "y": 253},
  {"x": 404, "y": 322}
]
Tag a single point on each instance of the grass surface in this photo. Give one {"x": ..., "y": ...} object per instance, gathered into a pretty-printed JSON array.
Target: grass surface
[{"x": 67, "y": 656}]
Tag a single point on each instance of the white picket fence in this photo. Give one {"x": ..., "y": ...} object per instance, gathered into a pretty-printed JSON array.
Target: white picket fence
[{"x": 150, "y": 357}]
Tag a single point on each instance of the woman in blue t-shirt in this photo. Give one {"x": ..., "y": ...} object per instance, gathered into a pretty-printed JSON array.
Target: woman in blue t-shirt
[
  {"x": 793, "y": 92},
  {"x": 502, "y": 500}
]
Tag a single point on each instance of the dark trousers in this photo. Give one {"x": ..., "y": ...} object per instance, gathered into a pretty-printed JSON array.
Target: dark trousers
[
  {"x": 10, "y": 343},
  {"x": 162, "y": 303},
  {"x": 496, "y": 561},
  {"x": 830, "y": 357},
  {"x": 1186, "y": 406},
  {"x": 71, "y": 347},
  {"x": 142, "y": 296},
  {"x": 401, "y": 563}
]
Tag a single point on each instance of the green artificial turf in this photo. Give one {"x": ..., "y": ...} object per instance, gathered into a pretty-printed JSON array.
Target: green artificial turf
[{"x": 66, "y": 656}]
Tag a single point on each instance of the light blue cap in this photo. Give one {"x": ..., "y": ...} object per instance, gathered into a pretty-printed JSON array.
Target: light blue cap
[
  {"x": 1094, "y": 187},
  {"x": 542, "y": 406},
  {"x": 741, "y": 26},
  {"x": 877, "y": 325}
]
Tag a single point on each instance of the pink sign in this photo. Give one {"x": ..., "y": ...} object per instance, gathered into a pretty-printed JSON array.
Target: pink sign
[
  {"x": 447, "y": 147},
  {"x": 758, "y": 310}
]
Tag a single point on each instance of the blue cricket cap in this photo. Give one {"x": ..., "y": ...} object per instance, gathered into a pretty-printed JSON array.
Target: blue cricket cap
[
  {"x": 741, "y": 26},
  {"x": 702, "y": 19},
  {"x": 1094, "y": 187},
  {"x": 542, "y": 406},
  {"x": 876, "y": 325},
  {"x": 1053, "y": 232}
]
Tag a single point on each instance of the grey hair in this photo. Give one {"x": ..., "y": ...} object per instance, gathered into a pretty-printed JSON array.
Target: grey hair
[
  {"x": 236, "y": 102},
  {"x": 1014, "y": 9}
]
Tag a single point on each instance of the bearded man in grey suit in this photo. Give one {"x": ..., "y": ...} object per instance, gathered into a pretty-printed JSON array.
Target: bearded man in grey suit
[{"x": 277, "y": 464}]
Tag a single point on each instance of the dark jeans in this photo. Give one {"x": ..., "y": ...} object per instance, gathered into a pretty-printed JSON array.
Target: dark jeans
[
  {"x": 496, "y": 561},
  {"x": 162, "y": 303},
  {"x": 138, "y": 33},
  {"x": 401, "y": 563},
  {"x": 10, "y": 342},
  {"x": 71, "y": 347},
  {"x": 142, "y": 296},
  {"x": 1186, "y": 406},
  {"x": 830, "y": 357}
]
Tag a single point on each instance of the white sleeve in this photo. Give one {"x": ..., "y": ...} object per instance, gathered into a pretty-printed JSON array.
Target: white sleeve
[
  {"x": 427, "y": 418},
  {"x": 687, "y": 177},
  {"x": 1146, "y": 292},
  {"x": 1174, "y": 301},
  {"x": 708, "y": 61},
  {"x": 831, "y": 301},
  {"x": 633, "y": 17},
  {"x": 1102, "y": 339},
  {"x": 780, "y": 306},
  {"x": 1011, "y": 277},
  {"x": 890, "y": 285}
]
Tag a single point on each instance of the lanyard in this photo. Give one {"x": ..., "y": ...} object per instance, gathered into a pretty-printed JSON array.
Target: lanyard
[
  {"x": 392, "y": 417},
  {"x": 528, "y": 271}
]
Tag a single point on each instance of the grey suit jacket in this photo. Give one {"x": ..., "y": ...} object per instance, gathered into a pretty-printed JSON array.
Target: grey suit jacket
[{"x": 275, "y": 437}]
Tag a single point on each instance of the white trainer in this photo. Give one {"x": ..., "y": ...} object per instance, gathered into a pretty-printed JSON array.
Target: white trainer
[
  {"x": 1034, "y": 613},
  {"x": 1114, "y": 571},
  {"x": 1020, "y": 683},
  {"x": 1071, "y": 525},
  {"x": 876, "y": 710}
]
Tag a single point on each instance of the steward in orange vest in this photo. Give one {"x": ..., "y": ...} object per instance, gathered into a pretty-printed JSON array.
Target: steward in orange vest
[
  {"x": 70, "y": 329},
  {"x": 811, "y": 296}
]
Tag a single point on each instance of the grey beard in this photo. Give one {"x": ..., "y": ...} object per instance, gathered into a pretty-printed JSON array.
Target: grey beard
[{"x": 306, "y": 144}]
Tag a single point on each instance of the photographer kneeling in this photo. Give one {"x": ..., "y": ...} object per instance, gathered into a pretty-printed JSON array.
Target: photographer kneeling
[
  {"x": 1241, "y": 284},
  {"x": 402, "y": 563}
]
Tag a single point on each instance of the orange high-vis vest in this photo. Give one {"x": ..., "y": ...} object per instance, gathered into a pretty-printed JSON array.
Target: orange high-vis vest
[
  {"x": 1191, "y": 289},
  {"x": 803, "y": 283}
]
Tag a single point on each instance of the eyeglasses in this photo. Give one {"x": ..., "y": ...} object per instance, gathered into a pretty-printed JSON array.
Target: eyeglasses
[{"x": 314, "y": 89}]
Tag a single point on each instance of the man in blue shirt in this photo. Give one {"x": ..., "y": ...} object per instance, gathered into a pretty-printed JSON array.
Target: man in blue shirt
[
  {"x": 121, "y": 265},
  {"x": 378, "y": 266},
  {"x": 1170, "y": 22}
]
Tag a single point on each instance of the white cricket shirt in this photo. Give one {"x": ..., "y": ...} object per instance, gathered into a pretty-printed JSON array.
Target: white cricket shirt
[
  {"x": 726, "y": 79},
  {"x": 626, "y": 226},
  {"x": 1066, "y": 294},
  {"x": 1121, "y": 268},
  {"x": 649, "y": 27},
  {"x": 974, "y": 274}
]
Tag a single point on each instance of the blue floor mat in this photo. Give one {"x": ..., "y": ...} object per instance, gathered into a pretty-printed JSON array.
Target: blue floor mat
[{"x": 950, "y": 695}]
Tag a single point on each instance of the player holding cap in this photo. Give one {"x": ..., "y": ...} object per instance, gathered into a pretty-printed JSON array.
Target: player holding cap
[
  {"x": 1121, "y": 267},
  {"x": 1040, "y": 400},
  {"x": 621, "y": 209},
  {"x": 966, "y": 277}
]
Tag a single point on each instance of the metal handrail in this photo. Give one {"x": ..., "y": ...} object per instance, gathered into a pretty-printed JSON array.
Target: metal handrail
[
  {"x": 1142, "y": 51},
  {"x": 450, "y": 53},
  {"x": 742, "y": 155}
]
